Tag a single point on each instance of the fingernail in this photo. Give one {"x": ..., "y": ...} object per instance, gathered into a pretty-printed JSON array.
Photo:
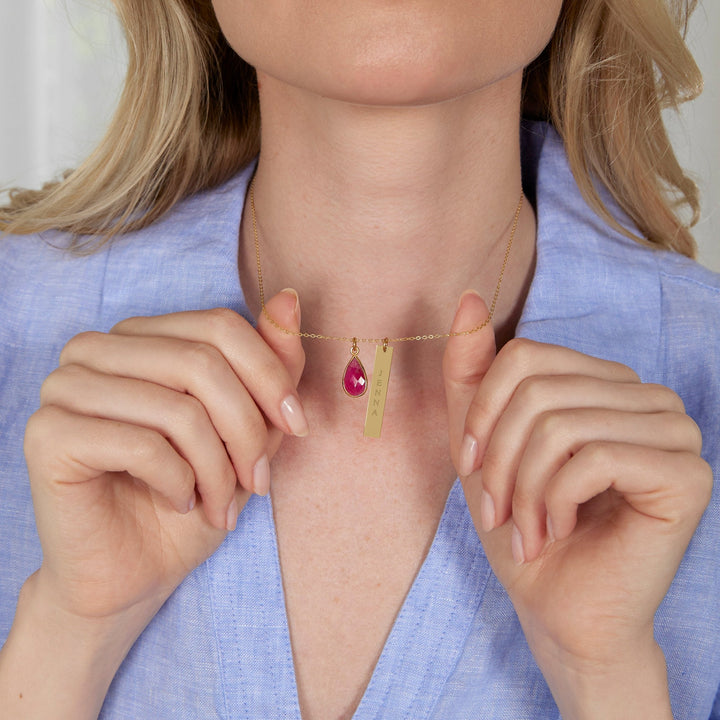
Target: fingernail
[
  {"x": 549, "y": 528},
  {"x": 517, "y": 546},
  {"x": 294, "y": 416},
  {"x": 232, "y": 516},
  {"x": 191, "y": 504},
  {"x": 487, "y": 511},
  {"x": 297, "y": 302},
  {"x": 261, "y": 476},
  {"x": 468, "y": 455},
  {"x": 467, "y": 292}
]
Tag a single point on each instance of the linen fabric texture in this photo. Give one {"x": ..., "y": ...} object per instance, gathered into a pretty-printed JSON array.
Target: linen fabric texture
[{"x": 220, "y": 646}]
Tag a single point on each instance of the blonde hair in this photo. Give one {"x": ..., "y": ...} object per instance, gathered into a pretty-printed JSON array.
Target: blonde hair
[
  {"x": 188, "y": 119},
  {"x": 609, "y": 71}
]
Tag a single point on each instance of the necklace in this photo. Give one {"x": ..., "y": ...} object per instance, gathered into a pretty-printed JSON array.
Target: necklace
[{"x": 355, "y": 379}]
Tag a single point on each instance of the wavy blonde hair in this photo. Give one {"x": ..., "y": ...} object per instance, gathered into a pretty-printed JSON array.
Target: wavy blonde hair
[{"x": 189, "y": 118}]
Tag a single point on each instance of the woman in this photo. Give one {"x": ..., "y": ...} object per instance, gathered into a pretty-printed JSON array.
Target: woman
[{"x": 387, "y": 193}]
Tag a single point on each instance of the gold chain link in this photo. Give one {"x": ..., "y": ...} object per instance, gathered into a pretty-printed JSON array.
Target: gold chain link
[{"x": 378, "y": 341}]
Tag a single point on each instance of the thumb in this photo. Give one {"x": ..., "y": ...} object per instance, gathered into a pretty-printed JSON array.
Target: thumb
[
  {"x": 467, "y": 358},
  {"x": 282, "y": 314}
]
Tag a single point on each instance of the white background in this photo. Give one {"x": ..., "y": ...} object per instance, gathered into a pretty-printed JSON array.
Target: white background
[{"x": 62, "y": 64}]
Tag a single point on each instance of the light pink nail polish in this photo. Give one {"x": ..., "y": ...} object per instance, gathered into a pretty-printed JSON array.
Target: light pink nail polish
[
  {"x": 232, "y": 516},
  {"x": 467, "y": 292},
  {"x": 297, "y": 302},
  {"x": 517, "y": 546},
  {"x": 487, "y": 511},
  {"x": 261, "y": 476},
  {"x": 294, "y": 416},
  {"x": 549, "y": 528},
  {"x": 468, "y": 455}
]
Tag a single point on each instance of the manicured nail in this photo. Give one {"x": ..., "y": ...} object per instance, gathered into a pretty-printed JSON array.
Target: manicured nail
[
  {"x": 294, "y": 416},
  {"x": 297, "y": 302},
  {"x": 468, "y": 455},
  {"x": 467, "y": 292},
  {"x": 232, "y": 516},
  {"x": 487, "y": 511},
  {"x": 549, "y": 528},
  {"x": 517, "y": 546},
  {"x": 261, "y": 476}
]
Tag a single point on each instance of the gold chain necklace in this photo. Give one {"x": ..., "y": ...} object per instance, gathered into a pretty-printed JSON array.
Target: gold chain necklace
[{"x": 355, "y": 380}]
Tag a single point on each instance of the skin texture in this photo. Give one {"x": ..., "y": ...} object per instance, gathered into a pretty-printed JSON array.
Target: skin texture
[
  {"x": 575, "y": 475},
  {"x": 387, "y": 53},
  {"x": 149, "y": 474},
  {"x": 393, "y": 115}
]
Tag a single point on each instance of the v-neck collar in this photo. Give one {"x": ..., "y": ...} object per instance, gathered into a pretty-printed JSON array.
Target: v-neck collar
[{"x": 253, "y": 638}]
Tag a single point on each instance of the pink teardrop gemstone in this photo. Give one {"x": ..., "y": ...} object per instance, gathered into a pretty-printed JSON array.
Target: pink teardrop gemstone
[{"x": 355, "y": 379}]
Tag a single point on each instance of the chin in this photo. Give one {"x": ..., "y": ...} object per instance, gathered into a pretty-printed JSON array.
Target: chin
[
  {"x": 394, "y": 82},
  {"x": 379, "y": 52},
  {"x": 388, "y": 92}
]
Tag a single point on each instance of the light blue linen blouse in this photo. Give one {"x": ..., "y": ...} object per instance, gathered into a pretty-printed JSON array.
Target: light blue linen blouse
[{"x": 220, "y": 646}]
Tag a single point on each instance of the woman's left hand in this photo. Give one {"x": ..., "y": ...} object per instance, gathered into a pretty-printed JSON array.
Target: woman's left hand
[{"x": 585, "y": 486}]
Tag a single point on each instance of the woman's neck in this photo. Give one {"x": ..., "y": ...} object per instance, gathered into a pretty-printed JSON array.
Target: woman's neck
[{"x": 381, "y": 217}]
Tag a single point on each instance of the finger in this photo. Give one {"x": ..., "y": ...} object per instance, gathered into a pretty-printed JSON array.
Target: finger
[
  {"x": 465, "y": 362},
  {"x": 63, "y": 449},
  {"x": 178, "y": 417},
  {"x": 283, "y": 310},
  {"x": 194, "y": 368},
  {"x": 559, "y": 435},
  {"x": 539, "y": 395},
  {"x": 254, "y": 363},
  {"x": 520, "y": 359},
  {"x": 673, "y": 488}
]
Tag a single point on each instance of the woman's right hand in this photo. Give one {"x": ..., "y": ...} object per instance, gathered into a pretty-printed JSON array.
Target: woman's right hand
[{"x": 146, "y": 447}]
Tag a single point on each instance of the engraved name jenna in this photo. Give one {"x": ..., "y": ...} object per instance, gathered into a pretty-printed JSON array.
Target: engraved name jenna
[{"x": 377, "y": 392}]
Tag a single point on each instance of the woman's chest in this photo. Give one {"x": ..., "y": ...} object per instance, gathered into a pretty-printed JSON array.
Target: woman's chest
[{"x": 352, "y": 535}]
